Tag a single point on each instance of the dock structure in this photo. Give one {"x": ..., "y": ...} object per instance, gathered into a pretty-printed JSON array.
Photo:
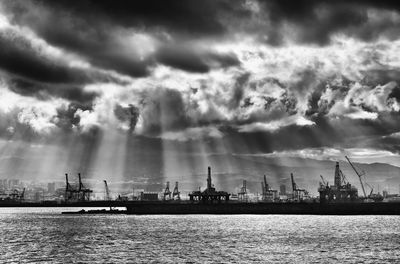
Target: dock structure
[
  {"x": 209, "y": 194},
  {"x": 341, "y": 191}
]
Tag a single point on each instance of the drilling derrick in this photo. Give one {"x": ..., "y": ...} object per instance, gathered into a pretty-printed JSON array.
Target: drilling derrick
[
  {"x": 176, "y": 193},
  {"x": 167, "y": 192}
]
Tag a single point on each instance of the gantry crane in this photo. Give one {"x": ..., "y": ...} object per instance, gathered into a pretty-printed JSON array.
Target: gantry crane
[
  {"x": 83, "y": 193},
  {"x": 297, "y": 193},
  {"x": 167, "y": 191},
  {"x": 176, "y": 193}
]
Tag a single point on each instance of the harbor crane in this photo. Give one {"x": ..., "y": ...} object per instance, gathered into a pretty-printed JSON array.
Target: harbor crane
[
  {"x": 297, "y": 193},
  {"x": 107, "y": 191},
  {"x": 268, "y": 194},
  {"x": 81, "y": 194},
  {"x": 265, "y": 183},
  {"x": 359, "y": 174},
  {"x": 70, "y": 192},
  {"x": 264, "y": 188},
  {"x": 176, "y": 192},
  {"x": 167, "y": 191}
]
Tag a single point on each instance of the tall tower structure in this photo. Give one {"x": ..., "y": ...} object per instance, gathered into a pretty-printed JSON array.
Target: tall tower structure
[{"x": 338, "y": 178}]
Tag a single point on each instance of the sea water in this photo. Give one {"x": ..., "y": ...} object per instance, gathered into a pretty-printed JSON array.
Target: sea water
[{"x": 43, "y": 235}]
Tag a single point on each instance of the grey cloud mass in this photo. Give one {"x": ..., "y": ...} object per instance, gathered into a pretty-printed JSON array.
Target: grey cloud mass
[{"x": 271, "y": 74}]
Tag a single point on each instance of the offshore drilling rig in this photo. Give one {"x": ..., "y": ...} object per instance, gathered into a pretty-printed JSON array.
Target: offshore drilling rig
[
  {"x": 80, "y": 194},
  {"x": 341, "y": 191},
  {"x": 209, "y": 194}
]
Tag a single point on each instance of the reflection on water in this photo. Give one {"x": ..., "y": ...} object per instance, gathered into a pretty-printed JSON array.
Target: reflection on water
[{"x": 44, "y": 235}]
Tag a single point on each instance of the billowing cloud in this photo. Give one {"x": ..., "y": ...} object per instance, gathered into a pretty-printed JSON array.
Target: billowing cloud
[{"x": 272, "y": 75}]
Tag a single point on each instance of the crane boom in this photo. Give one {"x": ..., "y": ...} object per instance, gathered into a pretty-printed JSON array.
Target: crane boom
[
  {"x": 358, "y": 174},
  {"x": 294, "y": 186},
  {"x": 323, "y": 180},
  {"x": 107, "y": 198}
]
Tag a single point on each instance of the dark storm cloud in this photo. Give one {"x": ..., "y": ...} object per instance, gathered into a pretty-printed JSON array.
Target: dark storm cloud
[
  {"x": 345, "y": 132},
  {"x": 91, "y": 28},
  {"x": 192, "y": 59},
  {"x": 18, "y": 56},
  {"x": 315, "y": 21},
  {"x": 381, "y": 76},
  {"x": 44, "y": 91},
  {"x": 238, "y": 90},
  {"x": 133, "y": 37},
  {"x": 191, "y": 16},
  {"x": 31, "y": 71},
  {"x": 128, "y": 114},
  {"x": 163, "y": 110},
  {"x": 66, "y": 117}
]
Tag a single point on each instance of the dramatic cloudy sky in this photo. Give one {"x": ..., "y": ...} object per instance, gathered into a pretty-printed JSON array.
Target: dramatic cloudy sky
[{"x": 110, "y": 85}]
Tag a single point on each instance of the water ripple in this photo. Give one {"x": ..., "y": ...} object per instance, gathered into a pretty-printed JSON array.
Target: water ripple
[{"x": 31, "y": 235}]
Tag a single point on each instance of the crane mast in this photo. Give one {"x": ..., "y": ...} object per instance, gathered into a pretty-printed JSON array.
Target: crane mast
[{"x": 358, "y": 174}]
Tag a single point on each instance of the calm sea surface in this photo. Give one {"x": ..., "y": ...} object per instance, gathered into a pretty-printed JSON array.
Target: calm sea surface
[{"x": 32, "y": 235}]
